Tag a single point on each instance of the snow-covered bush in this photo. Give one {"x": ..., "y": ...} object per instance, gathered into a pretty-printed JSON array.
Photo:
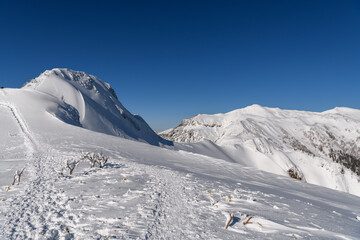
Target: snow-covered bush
[
  {"x": 295, "y": 173},
  {"x": 96, "y": 159},
  {"x": 91, "y": 158},
  {"x": 102, "y": 160}
]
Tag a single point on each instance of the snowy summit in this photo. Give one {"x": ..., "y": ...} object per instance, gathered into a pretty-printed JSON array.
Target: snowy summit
[
  {"x": 318, "y": 148},
  {"x": 91, "y": 103}
]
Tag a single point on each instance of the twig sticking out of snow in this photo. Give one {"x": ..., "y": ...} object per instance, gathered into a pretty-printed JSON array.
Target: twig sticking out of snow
[
  {"x": 230, "y": 220},
  {"x": 248, "y": 221},
  {"x": 17, "y": 176},
  {"x": 60, "y": 172}
]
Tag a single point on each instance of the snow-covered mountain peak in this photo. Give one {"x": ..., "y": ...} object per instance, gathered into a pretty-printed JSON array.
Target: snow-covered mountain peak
[
  {"x": 80, "y": 80},
  {"x": 278, "y": 141},
  {"x": 344, "y": 112},
  {"x": 92, "y": 104},
  {"x": 255, "y": 110}
]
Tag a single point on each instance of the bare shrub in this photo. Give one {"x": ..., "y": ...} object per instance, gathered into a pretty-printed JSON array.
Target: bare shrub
[
  {"x": 91, "y": 157},
  {"x": 96, "y": 159},
  {"x": 71, "y": 165},
  {"x": 102, "y": 160}
]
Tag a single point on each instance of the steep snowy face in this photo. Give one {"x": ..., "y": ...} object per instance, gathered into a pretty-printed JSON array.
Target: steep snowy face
[
  {"x": 320, "y": 148},
  {"x": 91, "y": 103}
]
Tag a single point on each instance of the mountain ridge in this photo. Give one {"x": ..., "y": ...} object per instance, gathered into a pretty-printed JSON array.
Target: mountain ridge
[{"x": 323, "y": 148}]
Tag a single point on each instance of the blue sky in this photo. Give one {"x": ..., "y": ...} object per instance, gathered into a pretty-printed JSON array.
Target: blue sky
[{"x": 169, "y": 60}]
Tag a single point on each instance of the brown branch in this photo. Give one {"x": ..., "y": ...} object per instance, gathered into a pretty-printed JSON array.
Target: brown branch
[
  {"x": 248, "y": 221},
  {"x": 230, "y": 220}
]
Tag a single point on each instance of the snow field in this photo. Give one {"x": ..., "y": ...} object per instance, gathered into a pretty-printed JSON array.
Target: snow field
[
  {"x": 129, "y": 200},
  {"x": 132, "y": 197}
]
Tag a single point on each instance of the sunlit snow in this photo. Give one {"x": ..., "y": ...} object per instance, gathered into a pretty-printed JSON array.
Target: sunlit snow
[{"x": 148, "y": 189}]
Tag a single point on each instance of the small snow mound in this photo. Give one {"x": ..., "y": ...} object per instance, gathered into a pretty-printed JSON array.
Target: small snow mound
[
  {"x": 341, "y": 110},
  {"x": 344, "y": 111},
  {"x": 254, "y": 109}
]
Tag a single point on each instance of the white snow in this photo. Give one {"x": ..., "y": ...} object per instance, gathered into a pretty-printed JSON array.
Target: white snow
[
  {"x": 145, "y": 191},
  {"x": 276, "y": 140},
  {"x": 88, "y": 101}
]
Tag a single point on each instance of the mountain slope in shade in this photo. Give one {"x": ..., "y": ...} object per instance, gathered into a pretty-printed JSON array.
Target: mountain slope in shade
[
  {"x": 91, "y": 103},
  {"x": 319, "y": 148}
]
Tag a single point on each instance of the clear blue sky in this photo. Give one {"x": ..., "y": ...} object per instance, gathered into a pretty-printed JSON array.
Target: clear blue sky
[{"x": 169, "y": 60}]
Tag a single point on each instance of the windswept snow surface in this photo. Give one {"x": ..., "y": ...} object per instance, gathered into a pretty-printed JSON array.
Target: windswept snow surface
[
  {"x": 323, "y": 148},
  {"x": 145, "y": 191},
  {"x": 93, "y": 104}
]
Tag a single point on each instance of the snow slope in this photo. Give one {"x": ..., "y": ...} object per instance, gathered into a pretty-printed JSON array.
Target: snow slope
[
  {"x": 145, "y": 191},
  {"x": 91, "y": 103},
  {"x": 323, "y": 148}
]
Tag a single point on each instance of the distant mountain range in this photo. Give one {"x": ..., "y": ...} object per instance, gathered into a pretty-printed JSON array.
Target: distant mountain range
[{"x": 319, "y": 148}]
